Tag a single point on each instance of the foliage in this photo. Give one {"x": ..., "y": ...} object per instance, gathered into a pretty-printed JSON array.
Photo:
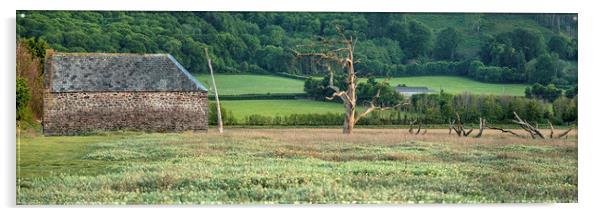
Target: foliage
[
  {"x": 388, "y": 96},
  {"x": 23, "y": 97},
  {"x": 419, "y": 39},
  {"x": 260, "y": 42},
  {"x": 544, "y": 69},
  {"x": 571, "y": 93},
  {"x": 227, "y": 116},
  {"x": 365, "y": 90},
  {"x": 446, "y": 44},
  {"x": 548, "y": 93},
  {"x": 439, "y": 108},
  {"x": 561, "y": 46},
  {"x": 30, "y": 55},
  {"x": 37, "y": 47},
  {"x": 565, "y": 109}
]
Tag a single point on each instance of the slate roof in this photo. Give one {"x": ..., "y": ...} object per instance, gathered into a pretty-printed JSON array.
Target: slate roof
[
  {"x": 100, "y": 72},
  {"x": 402, "y": 89}
]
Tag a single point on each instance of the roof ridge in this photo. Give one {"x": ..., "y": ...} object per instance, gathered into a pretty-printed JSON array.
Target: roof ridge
[{"x": 107, "y": 54}]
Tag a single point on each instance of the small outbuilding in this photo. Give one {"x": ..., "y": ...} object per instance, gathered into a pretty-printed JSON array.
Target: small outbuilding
[
  {"x": 87, "y": 92},
  {"x": 409, "y": 91}
]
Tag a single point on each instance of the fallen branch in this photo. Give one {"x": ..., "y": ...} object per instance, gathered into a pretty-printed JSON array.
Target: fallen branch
[
  {"x": 533, "y": 131},
  {"x": 419, "y": 127},
  {"x": 506, "y": 131},
  {"x": 564, "y": 133}
]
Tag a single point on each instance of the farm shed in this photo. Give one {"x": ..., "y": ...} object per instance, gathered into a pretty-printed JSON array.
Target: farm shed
[
  {"x": 100, "y": 91},
  {"x": 409, "y": 91}
]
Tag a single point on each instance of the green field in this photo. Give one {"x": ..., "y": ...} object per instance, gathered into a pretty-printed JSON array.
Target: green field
[
  {"x": 242, "y": 108},
  {"x": 294, "y": 166},
  {"x": 252, "y": 84},
  {"x": 456, "y": 85},
  {"x": 263, "y": 84}
]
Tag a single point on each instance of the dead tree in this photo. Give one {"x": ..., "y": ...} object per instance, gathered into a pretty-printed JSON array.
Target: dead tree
[
  {"x": 533, "y": 131},
  {"x": 482, "y": 125},
  {"x": 451, "y": 125},
  {"x": 411, "y": 131},
  {"x": 551, "y": 129},
  {"x": 419, "y": 127},
  {"x": 220, "y": 125},
  {"x": 459, "y": 127},
  {"x": 559, "y": 135},
  {"x": 340, "y": 52}
]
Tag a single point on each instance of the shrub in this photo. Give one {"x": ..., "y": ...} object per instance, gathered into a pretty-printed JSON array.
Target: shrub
[
  {"x": 227, "y": 117},
  {"x": 23, "y": 97}
]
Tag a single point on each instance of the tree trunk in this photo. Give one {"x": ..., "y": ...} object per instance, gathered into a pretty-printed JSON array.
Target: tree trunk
[
  {"x": 350, "y": 105},
  {"x": 349, "y": 119}
]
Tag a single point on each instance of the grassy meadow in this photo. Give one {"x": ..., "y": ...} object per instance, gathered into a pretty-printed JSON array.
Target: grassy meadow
[
  {"x": 234, "y": 84},
  {"x": 242, "y": 108},
  {"x": 458, "y": 85},
  {"x": 294, "y": 166}
]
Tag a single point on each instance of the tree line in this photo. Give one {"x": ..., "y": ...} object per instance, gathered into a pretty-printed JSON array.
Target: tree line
[{"x": 431, "y": 109}]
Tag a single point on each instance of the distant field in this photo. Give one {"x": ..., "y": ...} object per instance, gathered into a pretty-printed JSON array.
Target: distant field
[
  {"x": 455, "y": 85},
  {"x": 252, "y": 84},
  {"x": 263, "y": 84},
  {"x": 294, "y": 166},
  {"x": 243, "y": 108}
]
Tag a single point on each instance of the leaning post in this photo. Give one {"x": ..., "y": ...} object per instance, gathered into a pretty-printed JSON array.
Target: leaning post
[{"x": 220, "y": 125}]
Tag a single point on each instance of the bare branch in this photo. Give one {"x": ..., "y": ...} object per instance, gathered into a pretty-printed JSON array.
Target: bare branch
[
  {"x": 533, "y": 131},
  {"x": 419, "y": 127},
  {"x": 373, "y": 107},
  {"x": 551, "y": 129},
  {"x": 412, "y": 127},
  {"x": 466, "y": 133},
  {"x": 343, "y": 95},
  {"x": 506, "y": 131},
  {"x": 482, "y": 123},
  {"x": 564, "y": 133}
]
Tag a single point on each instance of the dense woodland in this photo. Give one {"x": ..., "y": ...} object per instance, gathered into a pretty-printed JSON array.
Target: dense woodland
[
  {"x": 539, "y": 49},
  {"x": 501, "y": 48}
]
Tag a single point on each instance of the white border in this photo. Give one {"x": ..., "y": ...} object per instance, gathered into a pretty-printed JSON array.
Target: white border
[{"x": 589, "y": 111}]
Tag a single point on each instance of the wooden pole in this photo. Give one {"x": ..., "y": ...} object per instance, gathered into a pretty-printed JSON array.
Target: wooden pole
[{"x": 220, "y": 125}]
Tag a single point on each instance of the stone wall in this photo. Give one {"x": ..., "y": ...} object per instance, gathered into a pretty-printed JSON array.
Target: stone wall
[{"x": 76, "y": 112}]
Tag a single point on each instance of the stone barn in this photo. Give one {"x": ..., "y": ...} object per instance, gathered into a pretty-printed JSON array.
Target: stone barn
[{"x": 87, "y": 92}]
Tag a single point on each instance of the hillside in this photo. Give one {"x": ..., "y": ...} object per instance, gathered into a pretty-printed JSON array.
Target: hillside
[
  {"x": 236, "y": 84},
  {"x": 260, "y": 42}
]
